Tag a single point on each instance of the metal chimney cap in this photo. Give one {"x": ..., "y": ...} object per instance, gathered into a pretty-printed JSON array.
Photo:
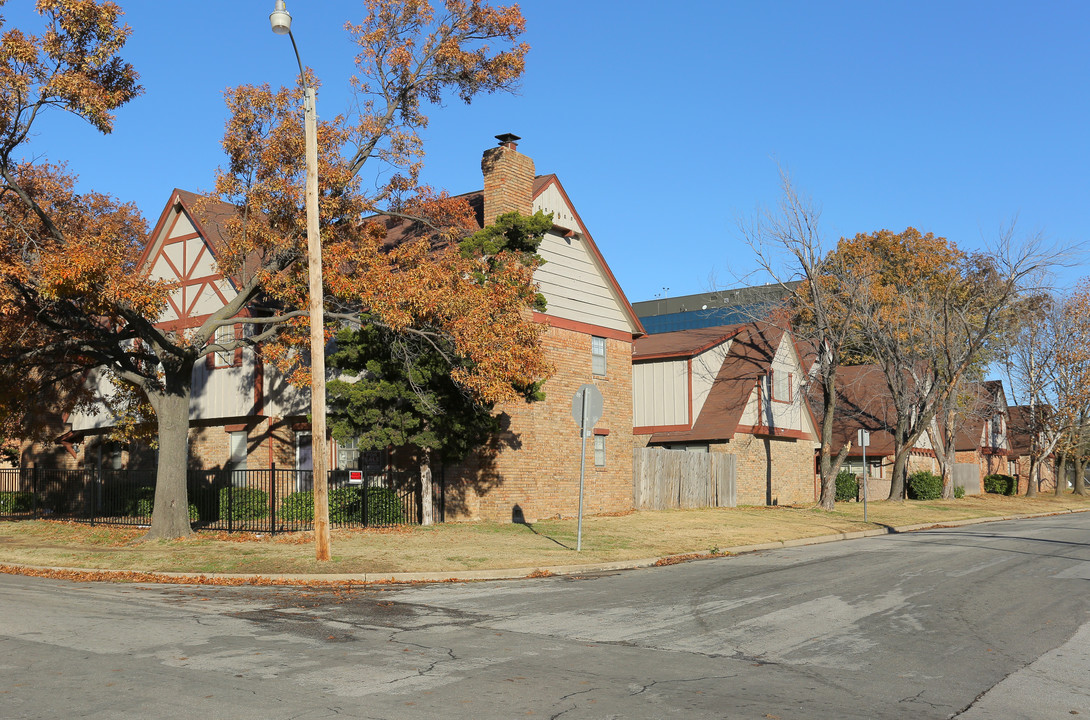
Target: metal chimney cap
[{"x": 508, "y": 139}]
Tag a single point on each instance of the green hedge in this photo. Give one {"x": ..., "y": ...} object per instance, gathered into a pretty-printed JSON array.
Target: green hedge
[
  {"x": 241, "y": 503},
  {"x": 346, "y": 506},
  {"x": 924, "y": 485},
  {"x": 999, "y": 484},
  {"x": 847, "y": 486},
  {"x": 141, "y": 501},
  {"x": 16, "y": 501}
]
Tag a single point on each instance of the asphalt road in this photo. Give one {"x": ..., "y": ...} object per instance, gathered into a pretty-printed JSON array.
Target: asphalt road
[{"x": 985, "y": 621}]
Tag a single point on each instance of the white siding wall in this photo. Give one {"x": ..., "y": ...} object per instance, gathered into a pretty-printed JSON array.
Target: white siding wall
[{"x": 660, "y": 393}]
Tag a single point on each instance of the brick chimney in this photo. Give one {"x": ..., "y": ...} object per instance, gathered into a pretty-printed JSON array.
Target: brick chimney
[{"x": 508, "y": 180}]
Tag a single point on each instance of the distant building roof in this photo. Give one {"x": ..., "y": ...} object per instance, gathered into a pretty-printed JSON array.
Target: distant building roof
[{"x": 721, "y": 307}]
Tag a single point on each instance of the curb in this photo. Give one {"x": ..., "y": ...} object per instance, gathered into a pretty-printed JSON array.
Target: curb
[{"x": 523, "y": 573}]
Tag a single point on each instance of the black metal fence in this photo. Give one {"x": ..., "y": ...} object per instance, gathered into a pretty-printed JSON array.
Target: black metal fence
[{"x": 266, "y": 501}]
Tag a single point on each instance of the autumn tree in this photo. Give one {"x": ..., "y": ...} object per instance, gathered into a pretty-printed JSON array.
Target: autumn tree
[
  {"x": 73, "y": 299},
  {"x": 397, "y": 388},
  {"x": 1072, "y": 379},
  {"x": 928, "y": 312},
  {"x": 821, "y": 307}
]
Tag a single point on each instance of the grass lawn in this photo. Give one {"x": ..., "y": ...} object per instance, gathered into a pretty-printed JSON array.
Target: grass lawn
[{"x": 471, "y": 546}]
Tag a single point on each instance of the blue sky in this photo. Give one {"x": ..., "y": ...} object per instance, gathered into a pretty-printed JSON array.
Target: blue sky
[{"x": 665, "y": 121}]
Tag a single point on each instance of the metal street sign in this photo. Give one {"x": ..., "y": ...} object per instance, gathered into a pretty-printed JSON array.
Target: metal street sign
[
  {"x": 586, "y": 409},
  {"x": 862, "y": 438},
  {"x": 592, "y": 407}
]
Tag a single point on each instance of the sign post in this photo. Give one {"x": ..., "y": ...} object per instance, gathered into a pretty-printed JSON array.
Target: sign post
[
  {"x": 863, "y": 438},
  {"x": 586, "y": 410}
]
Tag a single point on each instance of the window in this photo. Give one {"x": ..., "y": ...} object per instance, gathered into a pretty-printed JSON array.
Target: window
[
  {"x": 348, "y": 454},
  {"x": 115, "y": 457},
  {"x": 304, "y": 460},
  {"x": 225, "y": 334},
  {"x": 598, "y": 355},
  {"x": 781, "y": 386},
  {"x": 599, "y": 451},
  {"x": 236, "y": 447}
]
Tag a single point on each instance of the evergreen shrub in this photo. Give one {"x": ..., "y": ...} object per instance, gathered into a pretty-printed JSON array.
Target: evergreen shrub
[
  {"x": 243, "y": 503},
  {"x": 16, "y": 501},
  {"x": 999, "y": 484},
  {"x": 847, "y": 486},
  {"x": 924, "y": 485},
  {"x": 346, "y": 505}
]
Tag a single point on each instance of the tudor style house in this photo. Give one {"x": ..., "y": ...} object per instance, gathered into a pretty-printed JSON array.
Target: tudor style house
[
  {"x": 243, "y": 415},
  {"x": 735, "y": 389},
  {"x": 531, "y": 470}
]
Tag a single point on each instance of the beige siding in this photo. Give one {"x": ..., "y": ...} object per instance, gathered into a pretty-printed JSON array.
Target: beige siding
[
  {"x": 552, "y": 201},
  {"x": 660, "y": 393},
  {"x": 100, "y": 417},
  {"x": 282, "y": 399},
  {"x": 573, "y": 282},
  {"x": 183, "y": 227},
  {"x": 222, "y": 392},
  {"x": 781, "y": 414},
  {"x": 706, "y": 368}
]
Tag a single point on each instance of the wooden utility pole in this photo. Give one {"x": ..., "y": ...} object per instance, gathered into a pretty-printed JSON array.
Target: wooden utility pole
[{"x": 318, "y": 451}]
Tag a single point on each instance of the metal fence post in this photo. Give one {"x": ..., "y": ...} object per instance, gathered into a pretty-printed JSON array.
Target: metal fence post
[
  {"x": 230, "y": 505},
  {"x": 272, "y": 498},
  {"x": 34, "y": 489}
]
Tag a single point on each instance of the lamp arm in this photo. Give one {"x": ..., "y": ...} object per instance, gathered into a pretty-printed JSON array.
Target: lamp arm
[{"x": 302, "y": 77}]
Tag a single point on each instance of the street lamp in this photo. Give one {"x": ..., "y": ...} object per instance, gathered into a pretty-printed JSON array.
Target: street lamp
[{"x": 280, "y": 20}]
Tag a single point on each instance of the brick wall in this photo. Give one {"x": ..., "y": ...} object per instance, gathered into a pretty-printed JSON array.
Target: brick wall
[
  {"x": 771, "y": 471},
  {"x": 531, "y": 469}
]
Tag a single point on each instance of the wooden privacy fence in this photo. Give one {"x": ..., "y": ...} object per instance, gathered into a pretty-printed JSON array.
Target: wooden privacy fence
[
  {"x": 967, "y": 476},
  {"x": 664, "y": 479}
]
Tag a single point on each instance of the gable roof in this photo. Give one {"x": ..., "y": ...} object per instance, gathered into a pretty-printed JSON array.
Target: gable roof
[
  {"x": 753, "y": 348},
  {"x": 683, "y": 343}
]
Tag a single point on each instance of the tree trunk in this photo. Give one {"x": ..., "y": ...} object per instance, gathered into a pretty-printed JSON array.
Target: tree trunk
[
  {"x": 897, "y": 484},
  {"x": 830, "y": 465},
  {"x": 170, "y": 515},
  {"x": 1031, "y": 483},
  {"x": 1059, "y": 470},
  {"x": 1078, "y": 483},
  {"x": 426, "y": 512}
]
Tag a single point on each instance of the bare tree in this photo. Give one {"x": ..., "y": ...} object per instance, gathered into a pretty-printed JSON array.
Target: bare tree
[
  {"x": 929, "y": 313},
  {"x": 822, "y": 309}
]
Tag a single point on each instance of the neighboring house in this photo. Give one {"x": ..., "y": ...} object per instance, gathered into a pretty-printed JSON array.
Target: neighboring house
[
  {"x": 864, "y": 403},
  {"x": 735, "y": 389},
  {"x": 1021, "y": 431},
  {"x": 244, "y": 416},
  {"x": 983, "y": 435}
]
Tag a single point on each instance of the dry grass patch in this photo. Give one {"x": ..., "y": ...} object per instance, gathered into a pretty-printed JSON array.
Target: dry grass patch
[{"x": 470, "y": 546}]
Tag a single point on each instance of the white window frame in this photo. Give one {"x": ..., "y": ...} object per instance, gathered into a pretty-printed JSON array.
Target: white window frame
[
  {"x": 599, "y": 451},
  {"x": 598, "y": 355},
  {"x": 225, "y": 334}
]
